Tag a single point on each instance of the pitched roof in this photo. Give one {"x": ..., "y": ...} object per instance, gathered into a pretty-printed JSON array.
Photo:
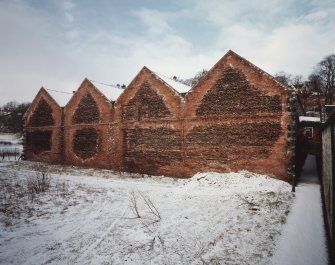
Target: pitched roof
[
  {"x": 63, "y": 97},
  {"x": 179, "y": 87},
  {"x": 111, "y": 92},
  {"x": 254, "y": 67},
  {"x": 42, "y": 91}
]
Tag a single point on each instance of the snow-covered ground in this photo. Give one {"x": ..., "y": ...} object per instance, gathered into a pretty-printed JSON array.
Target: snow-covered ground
[
  {"x": 99, "y": 217},
  {"x": 303, "y": 241}
]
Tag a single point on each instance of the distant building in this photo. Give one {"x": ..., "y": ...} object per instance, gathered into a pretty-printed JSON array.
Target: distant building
[
  {"x": 327, "y": 111},
  {"x": 309, "y": 137}
]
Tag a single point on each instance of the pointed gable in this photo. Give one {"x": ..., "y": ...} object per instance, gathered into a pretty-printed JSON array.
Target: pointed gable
[
  {"x": 148, "y": 103},
  {"x": 148, "y": 97},
  {"x": 42, "y": 128},
  {"x": 87, "y": 110},
  {"x": 235, "y": 86},
  {"x": 41, "y": 111},
  {"x": 233, "y": 94},
  {"x": 85, "y": 142},
  {"x": 88, "y": 105},
  {"x": 42, "y": 115}
]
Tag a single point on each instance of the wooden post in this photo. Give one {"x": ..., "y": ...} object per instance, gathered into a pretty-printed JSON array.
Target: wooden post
[{"x": 293, "y": 184}]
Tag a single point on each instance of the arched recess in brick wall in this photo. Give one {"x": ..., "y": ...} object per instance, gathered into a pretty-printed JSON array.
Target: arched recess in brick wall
[
  {"x": 39, "y": 141},
  {"x": 232, "y": 94},
  {"x": 42, "y": 128},
  {"x": 146, "y": 104},
  {"x": 148, "y": 97},
  {"x": 238, "y": 118},
  {"x": 86, "y": 126},
  {"x": 85, "y": 142},
  {"x": 234, "y": 86},
  {"x": 149, "y": 112},
  {"x": 42, "y": 115},
  {"x": 87, "y": 110},
  {"x": 88, "y": 105},
  {"x": 44, "y": 111}
]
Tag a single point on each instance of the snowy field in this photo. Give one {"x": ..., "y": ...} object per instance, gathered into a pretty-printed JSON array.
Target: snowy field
[{"x": 95, "y": 216}]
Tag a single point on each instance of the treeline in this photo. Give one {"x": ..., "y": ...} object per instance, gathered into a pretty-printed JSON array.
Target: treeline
[
  {"x": 321, "y": 80},
  {"x": 11, "y": 115},
  {"x": 193, "y": 80}
]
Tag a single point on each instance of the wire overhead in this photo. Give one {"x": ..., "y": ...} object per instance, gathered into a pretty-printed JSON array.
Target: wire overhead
[
  {"x": 171, "y": 78},
  {"x": 111, "y": 85},
  {"x": 58, "y": 91}
]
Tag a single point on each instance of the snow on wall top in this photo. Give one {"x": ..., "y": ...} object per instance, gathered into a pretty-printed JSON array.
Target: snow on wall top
[
  {"x": 109, "y": 91},
  {"x": 61, "y": 97},
  {"x": 179, "y": 87},
  {"x": 309, "y": 119}
]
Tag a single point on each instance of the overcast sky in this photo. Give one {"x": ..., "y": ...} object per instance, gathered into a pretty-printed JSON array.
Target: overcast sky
[{"x": 57, "y": 43}]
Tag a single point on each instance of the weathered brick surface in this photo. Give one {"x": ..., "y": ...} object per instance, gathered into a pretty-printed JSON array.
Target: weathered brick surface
[
  {"x": 86, "y": 128},
  {"x": 149, "y": 96},
  {"x": 42, "y": 128},
  {"x": 39, "y": 141},
  {"x": 85, "y": 143},
  {"x": 148, "y": 149},
  {"x": 87, "y": 111},
  {"x": 249, "y": 105},
  {"x": 233, "y": 94},
  {"x": 145, "y": 104},
  {"x": 147, "y": 121},
  {"x": 237, "y": 117},
  {"x": 227, "y": 142},
  {"x": 42, "y": 115}
]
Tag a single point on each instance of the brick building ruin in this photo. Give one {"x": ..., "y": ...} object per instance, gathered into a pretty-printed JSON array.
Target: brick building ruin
[{"x": 236, "y": 118}]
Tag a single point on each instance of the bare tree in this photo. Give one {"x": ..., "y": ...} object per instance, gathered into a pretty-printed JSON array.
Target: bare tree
[
  {"x": 284, "y": 78},
  {"x": 193, "y": 80},
  {"x": 10, "y": 106},
  {"x": 11, "y": 116},
  {"x": 315, "y": 82},
  {"x": 289, "y": 79},
  {"x": 297, "y": 80},
  {"x": 326, "y": 72}
]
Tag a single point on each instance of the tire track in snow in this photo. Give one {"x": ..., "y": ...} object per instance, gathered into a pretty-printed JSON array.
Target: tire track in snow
[
  {"x": 92, "y": 217},
  {"x": 102, "y": 237}
]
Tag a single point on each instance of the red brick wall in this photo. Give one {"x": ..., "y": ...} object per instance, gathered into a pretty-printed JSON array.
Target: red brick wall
[
  {"x": 86, "y": 128},
  {"x": 148, "y": 127},
  {"x": 236, "y": 118},
  {"x": 42, "y": 129}
]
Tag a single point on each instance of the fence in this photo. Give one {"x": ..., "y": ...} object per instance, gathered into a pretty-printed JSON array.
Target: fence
[
  {"x": 10, "y": 150},
  {"x": 328, "y": 176}
]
